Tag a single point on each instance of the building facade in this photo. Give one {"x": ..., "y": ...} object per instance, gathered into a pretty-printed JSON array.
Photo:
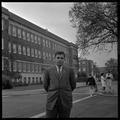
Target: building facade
[{"x": 29, "y": 49}]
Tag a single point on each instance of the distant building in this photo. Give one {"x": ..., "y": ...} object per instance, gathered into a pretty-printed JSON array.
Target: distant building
[
  {"x": 29, "y": 49},
  {"x": 102, "y": 69},
  {"x": 86, "y": 66}
]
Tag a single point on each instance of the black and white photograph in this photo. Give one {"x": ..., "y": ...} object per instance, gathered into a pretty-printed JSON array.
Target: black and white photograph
[{"x": 59, "y": 59}]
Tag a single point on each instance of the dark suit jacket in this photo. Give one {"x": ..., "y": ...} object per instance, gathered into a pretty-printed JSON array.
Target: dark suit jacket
[{"x": 60, "y": 85}]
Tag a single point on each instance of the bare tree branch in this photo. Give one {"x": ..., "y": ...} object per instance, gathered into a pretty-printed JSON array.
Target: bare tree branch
[{"x": 96, "y": 24}]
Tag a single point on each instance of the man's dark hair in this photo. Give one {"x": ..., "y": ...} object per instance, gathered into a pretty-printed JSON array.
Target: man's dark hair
[
  {"x": 90, "y": 74},
  {"x": 60, "y": 53},
  {"x": 102, "y": 74}
]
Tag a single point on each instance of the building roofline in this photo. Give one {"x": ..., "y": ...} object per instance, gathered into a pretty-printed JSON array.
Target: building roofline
[{"x": 31, "y": 25}]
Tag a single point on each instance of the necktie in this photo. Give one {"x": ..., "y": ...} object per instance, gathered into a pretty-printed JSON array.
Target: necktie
[{"x": 59, "y": 70}]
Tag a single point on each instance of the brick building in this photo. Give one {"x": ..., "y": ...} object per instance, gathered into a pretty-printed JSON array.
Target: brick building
[{"x": 29, "y": 49}]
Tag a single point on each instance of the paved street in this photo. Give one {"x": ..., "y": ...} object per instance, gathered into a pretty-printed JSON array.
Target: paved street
[{"x": 31, "y": 103}]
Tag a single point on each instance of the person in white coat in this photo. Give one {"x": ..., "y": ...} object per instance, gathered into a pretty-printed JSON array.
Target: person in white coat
[
  {"x": 103, "y": 82},
  {"x": 109, "y": 78}
]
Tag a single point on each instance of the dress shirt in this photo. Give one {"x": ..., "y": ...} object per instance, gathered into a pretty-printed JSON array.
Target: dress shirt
[{"x": 59, "y": 70}]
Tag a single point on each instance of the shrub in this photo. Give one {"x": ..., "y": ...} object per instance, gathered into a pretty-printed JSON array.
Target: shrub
[
  {"x": 81, "y": 77},
  {"x": 7, "y": 84}
]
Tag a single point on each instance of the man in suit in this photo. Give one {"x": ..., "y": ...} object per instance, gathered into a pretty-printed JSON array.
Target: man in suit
[{"x": 59, "y": 82}]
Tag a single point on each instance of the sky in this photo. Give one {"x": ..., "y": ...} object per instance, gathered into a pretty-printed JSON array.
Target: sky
[{"x": 54, "y": 16}]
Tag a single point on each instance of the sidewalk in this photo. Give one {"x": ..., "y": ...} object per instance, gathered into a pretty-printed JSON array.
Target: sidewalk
[
  {"x": 21, "y": 88},
  {"x": 31, "y": 89},
  {"x": 35, "y": 89}
]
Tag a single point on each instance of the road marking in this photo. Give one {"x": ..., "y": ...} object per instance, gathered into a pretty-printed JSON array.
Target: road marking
[
  {"x": 80, "y": 93},
  {"x": 5, "y": 96},
  {"x": 35, "y": 90},
  {"x": 43, "y": 114},
  {"x": 82, "y": 99},
  {"x": 111, "y": 95}
]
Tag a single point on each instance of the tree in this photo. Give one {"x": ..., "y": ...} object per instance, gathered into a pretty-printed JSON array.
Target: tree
[
  {"x": 96, "y": 24},
  {"x": 111, "y": 64},
  {"x": 81, "y": 77}
]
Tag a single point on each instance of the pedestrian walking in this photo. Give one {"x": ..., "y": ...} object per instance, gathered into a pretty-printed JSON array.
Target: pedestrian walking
[
  {"x": 103, "y": 82},
  {"x": 59, "y": 82},
  {"x": 96, "y": 88},
  {"x": 92, "y": 84},
  {"x": 109, "y": 79}
]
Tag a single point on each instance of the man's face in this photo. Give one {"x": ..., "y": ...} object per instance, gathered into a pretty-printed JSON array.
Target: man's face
[{"x": 59, "y": 59}]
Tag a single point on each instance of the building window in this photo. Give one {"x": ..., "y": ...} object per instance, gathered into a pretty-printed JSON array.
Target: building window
[
  {"x": 84, "y": 69},
  {"x": 3, "y": 24},
  {"x": 36, "y": 68},
  {"x": 24, "y": 50},
  {"x": 39, "y": 54},
  {"x": 10, "y": 29},
  {"x": 9, "y": 47},
  {"x": 28, "y": 67},
  {"x": 19, "y": 33},
  {"x": 35, "y": 39},
  {"x": 14, "y": 48},
  {"x": 53, "y": 56},
  {"x": 24, "y": 35},
  {"x": 14, "y": 66},
  {"x": 39, "y": 79},
  {"x": 14, "y": 31},
  {"x": 2, "y": 43},
  {"x": 43, "y": 42},
  {"x": 28, "y": 51},
  {"x": 19, "y": 66},
  {"x": 32, "y": 67},
  {"x": 10, "y": 69},
  {"x": 46, "y": 43},
  {"x": 32, "y": 79},
  {"x": 44, "y": 55},
  {"x": 36, "y": 53},
  {"x": 29, "y": 79},
  {"x": 39, "y": 40},
  {"x": 2, "y": 63},
  {"x": 49, "y": 45},
  {"x": 36, "y": 79},
  {"x": 39, "y": 68},
  {"x": 56, "y": 47},
  {"x": 53, "y": 46},
  {"x": 24, "y": 67},
  {"x": 24, "y": 79},
  {"x": 32, "y": 52},
  {"x": 32, "y": 38},
  {"x": 19, "y": 49},
  {"x": 49, "y": 56},
  {"x": 83, "y": 63},
  {"x": 28, "y": 36}
]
